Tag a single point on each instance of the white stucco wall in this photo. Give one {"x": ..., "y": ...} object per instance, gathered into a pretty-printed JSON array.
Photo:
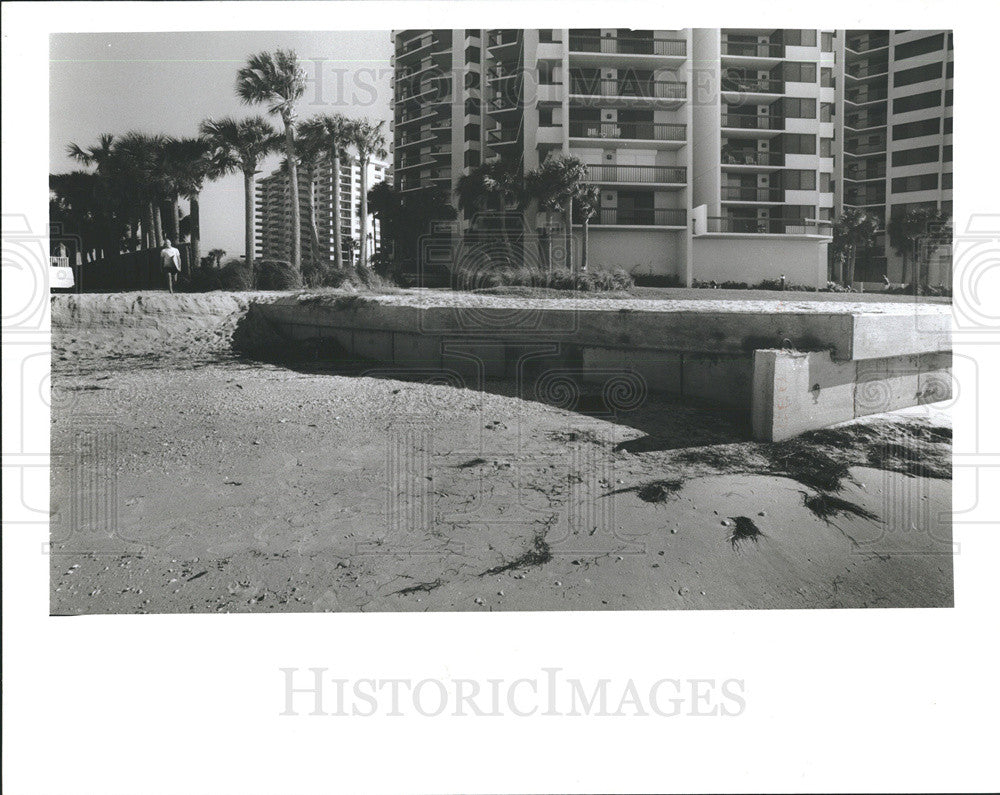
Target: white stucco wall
[
  {"x": 635, "y": 250},
  {"x": 753, "y": 258}
]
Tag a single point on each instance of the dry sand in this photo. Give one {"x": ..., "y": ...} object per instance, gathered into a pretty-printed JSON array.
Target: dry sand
[{"x": 188, "y": 479}]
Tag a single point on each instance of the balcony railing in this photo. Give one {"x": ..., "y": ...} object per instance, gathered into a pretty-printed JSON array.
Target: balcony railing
[
  {"x": 752, "y": 158},
  {"x": 863, "y": 174},
  {"x": 637, "y": 174},
  {"x": 867, "y": 70},
  {"x": 864, "y": 199},
  {"x": 864, "y": 122},
  {"x": 499, "y": 136},
  {"x": 751, "y": 121},
  {"x": 752, "y": 49},
  {"x": 640, "y": 216},
  {"x": 628, "y": 45},
  {"x": 863, "y": 149},
  {"x": 753, "y": 85},
  {"x": 627, "y": 131},
  {"x": 871, "y": 95},
  {"x": 738, "y": 193},
  {"x": 646, "y": 89},
  {"x": 865, "y": 43},
  {"x": 769, "y": 226}
]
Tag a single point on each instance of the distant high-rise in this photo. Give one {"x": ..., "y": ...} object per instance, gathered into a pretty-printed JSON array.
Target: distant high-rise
[
  {"x": 702, "y": 141},
  {"x": 274, "y": 213},
  {"x": 894, "y": 135}
]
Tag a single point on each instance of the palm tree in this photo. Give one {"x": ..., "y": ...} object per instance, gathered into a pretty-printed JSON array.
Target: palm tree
[
  {"x": 554, "y": 185},
  {"x": 138, "y": 157},
  {"x": 216, "y": 255},
  {"x": 369, "y": 141},
  {"x": 336, "y": 132},
  {"x": 906, "y": 230},
  {"x": 187, "y": 162},
  {"x": 240, "y": 145},
  {"x": 278, "y": 80},
  {"x": 587, "y": 202},
  {"x": 310, "y": 152},
  {"x": 102, "y": 157},
  {"x": 854, "y": 231}
]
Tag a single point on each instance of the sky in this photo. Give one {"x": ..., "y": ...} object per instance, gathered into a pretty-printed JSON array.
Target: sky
[{"x": 170, "y": 82}]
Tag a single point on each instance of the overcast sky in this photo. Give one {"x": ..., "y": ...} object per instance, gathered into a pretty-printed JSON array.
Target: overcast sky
[{"x": 170, "y": 82}]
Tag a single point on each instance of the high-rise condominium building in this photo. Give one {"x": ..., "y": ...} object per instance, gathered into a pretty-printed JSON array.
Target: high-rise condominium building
[
  {"x": 274, "y": 211},
  {"x": 712, "y": 148},
  {"x": 894, "y": 149}
]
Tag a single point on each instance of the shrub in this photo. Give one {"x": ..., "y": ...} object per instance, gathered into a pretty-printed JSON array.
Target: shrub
[
  {"x": 235, "y": 275},
  {"x": 556, "y": 279},
  {"x": 272, "y": 274},
  {"x": 657, "y": 280}
]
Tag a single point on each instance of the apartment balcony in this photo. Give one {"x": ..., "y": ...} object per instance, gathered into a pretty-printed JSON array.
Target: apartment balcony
[
  {"x": 752, "y": 49},
  {"x": 768, "y": 226},
  {"x": 751, "y": 159},
  {"x": 504, "y": 41},
  {"x": 415, "y": 50},
  {"x": 864, "y": 121},
  {"x": 663, "y": 176},
  {"x": 423, "y": 137},
  {"x": 739, "y": 193},
  {"x": 640, "y": 216},
  {"x": 863, "y": 150},
  {"x": 638, "y": 134},
  {"x": 737, "y": 89},
  {"x": 631, "y": 50},
  {"x": 864, "y": 174},
  {"x": 629, "y": 92},
  {"x": 863, "y": 71},
  {"x": 501, "y": 136},
  {"x": 866, "y": 94},
  {"x": 864, "y": 198},
  {"x": 751, "y": 125},
  {"x": 867, "y": 42}
]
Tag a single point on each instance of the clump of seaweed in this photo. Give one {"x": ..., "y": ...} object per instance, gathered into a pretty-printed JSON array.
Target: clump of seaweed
[{"x": 744, "y": 530}]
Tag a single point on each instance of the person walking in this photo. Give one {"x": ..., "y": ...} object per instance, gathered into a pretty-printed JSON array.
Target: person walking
[{"x": 170, "y": 262}]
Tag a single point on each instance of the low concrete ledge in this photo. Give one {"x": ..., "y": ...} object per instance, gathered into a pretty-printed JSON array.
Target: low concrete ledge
[
  {"x": 860, "y": 358},
  {"x": 794, "y": 392}
]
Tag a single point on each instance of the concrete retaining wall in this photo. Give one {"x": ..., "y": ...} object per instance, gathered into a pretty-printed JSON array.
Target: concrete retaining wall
[{"x": 859, "y": 359}]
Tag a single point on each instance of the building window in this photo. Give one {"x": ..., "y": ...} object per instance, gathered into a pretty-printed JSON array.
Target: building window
[
  {"x": 911, "y": 157},
  {"x": 928, "y": 99},
  {"x": 799, "y": 144},
  {"x": 919, "y": 47},
  {"x": 799, "y": 108},
  {"x": 826, "y": 111},
  {"x": 949, "y": 97},
  {"x": 792, "y": 179},
  {"x": 800, "y": 72},
  {"x": 918, "y": 74},
  {"x": 914, "y": 129},
  {"x": 825, "y": 182},
  {"x": 472, "y": 106},
  {"x": 472, "y": 79},
  {"x": 826, "y": 147},
  {"x": 471, "y": 132},
  {"x": 800, "y": 38},
  {"x": 472, "y": 158},
  {"x": 826, "y": 42},
  {"x": 545, "y": 117},
  {"x": 826, "y": 77},
  {"x": 545, "y": 36},
  {"x": 946, "y": 180},
  {"x": 472, "y": 55},
  {"x": 949, "y": 70},
  {"x": 546, "y": 73},
  {"x": 947, "y": 125},
  {"x": 946, "y": 153},
  {"x": 918, "y": 182}
]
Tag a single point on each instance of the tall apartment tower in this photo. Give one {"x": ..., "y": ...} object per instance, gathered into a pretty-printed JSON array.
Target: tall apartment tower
[
  {"x": 712, "y": 148},
  {"x": 894, "y": 135},
  {"x": 274, "y": 210}
]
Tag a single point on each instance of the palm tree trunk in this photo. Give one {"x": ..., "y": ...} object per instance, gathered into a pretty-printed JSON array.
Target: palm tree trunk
[
  {"x": 338, "y": 240},
  {"x": 313, "y": 228},
  {"x": 586, "y": 236},
  {"x": 293, "y": 178},
  {"x": 148, "y": 225},
  {"x": 248, "y": 217},
  {"x": 568, "y": 212},
  {"x": 195, "y": 211},
  {"x": 363, "y": 262},
  {"x": 175, "y": 218},
  {"x": 157, "y": 226}
]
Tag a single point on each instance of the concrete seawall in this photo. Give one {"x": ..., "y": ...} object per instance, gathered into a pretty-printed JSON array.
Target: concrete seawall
[{"x": 792, "y": 366}]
